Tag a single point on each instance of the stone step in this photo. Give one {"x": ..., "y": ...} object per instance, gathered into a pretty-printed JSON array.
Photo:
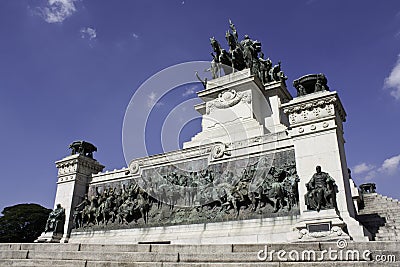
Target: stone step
[
  {"x": 394, "y": 217},
  {"x": 379, "y": 207},
  {"x": 276, "y": 246},
  {"x": 115, "y": 248},
  {"x": 123, "y": 264},
  {"x": 14, "y": 254},
  {"x": 199, "y": 249},
  {"x": 387, "y": 234},
  {"x": 183, "y": 255},
  {"x": 49, "y": 247},
  {"x": 10, "y": 246},
  {"x": 379, "y": 197},
  {"x": 382, "y": 206},
  {"x": 206, "y": 249},
  {"x": 106, "y": 256},
  {"x": 31, "y": 262},
  {"x": 271, "y": 256},
  {"x": 387, "y": 238},
  {"x": 281, "y": 264},
  {"x": 388, "y": 229},
  {"x": 44, "y": 263},
  {"x": 75, "y": 263},
  {"x": 381, "y": 202},
  {"x": 371, "y": 245},
  {"x": 376, "y": 198}
]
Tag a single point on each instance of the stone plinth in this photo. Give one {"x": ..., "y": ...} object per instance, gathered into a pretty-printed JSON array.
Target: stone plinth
[
  {"x": 316, "y": 127},
  {"x": 265, "y": 230},
  {"x": 74, "y": 175},
  {"x": 49, "y": 237},
  {"x": 238, "y": 107}
]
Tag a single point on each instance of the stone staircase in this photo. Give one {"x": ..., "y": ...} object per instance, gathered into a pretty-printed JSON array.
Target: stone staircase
[
  {"x": 167, "y": 255},
  {"x": 381, "y": 216}
]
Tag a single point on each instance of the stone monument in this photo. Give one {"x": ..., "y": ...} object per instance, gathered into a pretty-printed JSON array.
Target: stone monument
[{"x": 266, "y": 167}]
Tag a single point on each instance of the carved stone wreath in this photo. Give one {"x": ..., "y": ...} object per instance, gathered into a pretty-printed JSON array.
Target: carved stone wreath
[
  {"x": 335, "y": 231},
  {"x": 218, "y": 151},
  {"x": 134, "y": 167},
  {"x": 226, "y": 99}
]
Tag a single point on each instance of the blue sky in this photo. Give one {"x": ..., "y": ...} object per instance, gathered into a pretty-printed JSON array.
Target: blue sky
[{"x": 68, "y": 69}]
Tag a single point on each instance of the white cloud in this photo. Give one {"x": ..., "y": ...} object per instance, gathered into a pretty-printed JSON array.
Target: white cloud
[
  {"x": 57, "y": 10},
  {"x": 134, "y": 35},
  {"x": 362, "y": 167},
  {"x": 190, "y": 90},
  {"x": 391, "y": 165},
  {"x": 151, "y": 100},
  {"x": 371, "y": 175},
  {"x": 393, "y": 81},
  {"x": 88, "y": 32}
]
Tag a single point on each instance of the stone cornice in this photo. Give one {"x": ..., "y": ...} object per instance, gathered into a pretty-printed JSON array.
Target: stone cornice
[
  {"x": 212, "y": 152},
  {"x": 78, "y": 164},
  {"x": 315, "y": 103},
  {"x": 238, "y": 81}
]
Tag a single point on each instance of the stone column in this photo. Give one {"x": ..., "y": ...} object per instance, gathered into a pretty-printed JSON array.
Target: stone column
[
  {"x": 74, "y": 175},
  {"x": 316, "y": 127}
]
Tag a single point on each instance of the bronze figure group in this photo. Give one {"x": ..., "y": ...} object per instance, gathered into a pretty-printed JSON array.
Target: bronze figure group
[
  {"x": 241, "y": 55},
  {"x": 255, "y": 189}
]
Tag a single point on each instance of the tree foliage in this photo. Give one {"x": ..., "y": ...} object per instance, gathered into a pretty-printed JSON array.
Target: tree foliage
[{"x": 22, "y": 223}]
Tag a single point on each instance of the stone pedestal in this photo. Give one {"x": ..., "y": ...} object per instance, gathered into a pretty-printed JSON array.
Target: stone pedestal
[
  {"x": 316, "y": 127},
  {"x": 49, "y": 237},
  {"x": 239, "y": 107},
  {"x": 74, "y": 175},
  {"x": 325, "y": 225}
]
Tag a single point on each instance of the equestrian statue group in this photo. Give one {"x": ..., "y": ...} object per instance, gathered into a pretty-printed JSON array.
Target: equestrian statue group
[{"x": 242, "y": 54}]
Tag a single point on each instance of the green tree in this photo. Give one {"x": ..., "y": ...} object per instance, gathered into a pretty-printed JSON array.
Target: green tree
[{"x": 22, "y": 223}]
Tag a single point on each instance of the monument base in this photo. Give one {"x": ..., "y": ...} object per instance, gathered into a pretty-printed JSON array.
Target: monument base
[
  {"x": 49, "y": 237},
  {"x": 327, "y": 225},
  {"x": 324, "y": 225},
  {"x": 266, "y": 230}
]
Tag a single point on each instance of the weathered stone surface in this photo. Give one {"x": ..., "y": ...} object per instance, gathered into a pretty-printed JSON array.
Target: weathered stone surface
[
  {"x": 107, "y": 256},
  {"x": 380, "y": 215},
  {"x": 115, "y": 248},
  {"x": 13, "y": 254},
  {"x": 44, "y": 247},
  {"x": 195, "y": 255},
  {"x": 41, "y": 263}
]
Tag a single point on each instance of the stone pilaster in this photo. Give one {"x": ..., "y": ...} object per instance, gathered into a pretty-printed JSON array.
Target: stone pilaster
[
  {"x": 316, "y": 127},
  {"x": 74, "y": 175}
]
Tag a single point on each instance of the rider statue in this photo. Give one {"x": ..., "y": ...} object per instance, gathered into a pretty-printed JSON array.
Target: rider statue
[{"x": 320, "y": 191}]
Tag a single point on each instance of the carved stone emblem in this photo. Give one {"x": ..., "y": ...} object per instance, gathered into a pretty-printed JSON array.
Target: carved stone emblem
[
  {"x": 335, "y": 231},
  {"x": 218, "y": 151},
  {"x": 134, "y": 167},
  {"x": 226, "y": 99}
]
